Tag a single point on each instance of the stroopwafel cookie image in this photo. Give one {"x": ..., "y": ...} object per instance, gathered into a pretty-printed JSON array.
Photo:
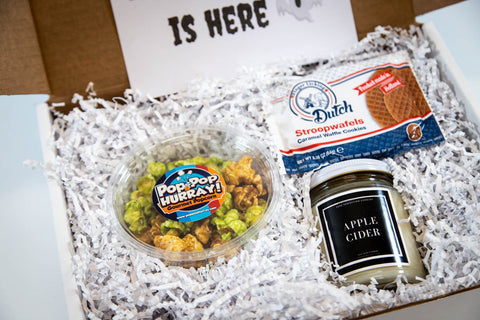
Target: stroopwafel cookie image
[
  {"x": 408, "y": 78},
  {"x": 400, "y": 103},
  {"x": 376, "y": 104}
]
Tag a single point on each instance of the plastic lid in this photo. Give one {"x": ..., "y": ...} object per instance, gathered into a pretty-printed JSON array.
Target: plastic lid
[{"x": 348, "y": 166}]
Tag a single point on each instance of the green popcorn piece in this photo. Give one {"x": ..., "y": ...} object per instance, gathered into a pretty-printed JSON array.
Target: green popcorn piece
[
  {"x": 188, "y": 226},
  {"x": 215, "y": 163},
  {"x": 238, "y": 226},
  {"x": 179, "y": 163},
  {"x": 136, "y": 194},
  {"x": 170, "y": 166},
  {"x": 150, "y": 218},
  {"x": 226, "y": 205},
  {"x": 146, "y": 184},
  {"x": 149, "y": 210},
  {"x": 226, "y": 236},
  {"x": 143, "y": 202},
  {"x": 131, "y": 215},
  {"x": 219, "y": 223},
  {"x": 139, "y": 225},
  {"x": 133, "y": 205},
  {"x": 171, "y": 225},
  {"x": 197, "y": 160},
  {"x": 252, "y": 214},
  {"x": 224, "y": 165},
  {"x": 157, "y": 169},
  {"x": 231, "y": 215}
]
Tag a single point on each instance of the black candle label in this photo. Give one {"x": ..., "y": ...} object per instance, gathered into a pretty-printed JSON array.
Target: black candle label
[{"x": 361, "y": 230}]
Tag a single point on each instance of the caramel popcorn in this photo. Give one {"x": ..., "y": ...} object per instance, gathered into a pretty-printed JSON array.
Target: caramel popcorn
[
  {"x": 244, "y": 184},
  {"x": 241, "y": 173},
  {"x": 216, "y": 239},
  {"x": 169, "y": 242},
  {"x": 192, "y": 243},
  {"x": 245, "y": 197},
  {"x": 202, "y": 230},
  {"x": 155, "y": 230},
  {"x": 146, "y": 236}
]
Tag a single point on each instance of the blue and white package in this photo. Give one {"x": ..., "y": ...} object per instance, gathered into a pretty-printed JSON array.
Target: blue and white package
[{"x": 371, "y": 109}]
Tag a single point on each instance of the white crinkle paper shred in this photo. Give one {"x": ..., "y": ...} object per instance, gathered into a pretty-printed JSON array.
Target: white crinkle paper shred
[{"x": 280, "y": 275}]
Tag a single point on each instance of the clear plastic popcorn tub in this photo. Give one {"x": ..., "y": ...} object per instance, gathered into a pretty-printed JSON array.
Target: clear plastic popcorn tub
[{"x": 194, "y": 195}]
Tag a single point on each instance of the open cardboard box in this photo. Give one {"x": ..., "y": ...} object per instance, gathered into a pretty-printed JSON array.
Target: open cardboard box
[{"x": 58, "y": 47}]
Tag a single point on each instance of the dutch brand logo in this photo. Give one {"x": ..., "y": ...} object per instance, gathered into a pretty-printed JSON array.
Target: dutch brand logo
[{"x": 313, "y": 100}]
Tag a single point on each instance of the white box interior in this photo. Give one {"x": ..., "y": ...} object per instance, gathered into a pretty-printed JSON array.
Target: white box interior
[{"x": 449, "y": 69}]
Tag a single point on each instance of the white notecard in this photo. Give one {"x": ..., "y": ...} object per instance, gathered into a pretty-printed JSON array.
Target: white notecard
[{"x": 166, "y": 44}]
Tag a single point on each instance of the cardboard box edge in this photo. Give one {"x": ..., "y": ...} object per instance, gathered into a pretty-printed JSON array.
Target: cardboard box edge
[
  {"x": 418, "y": 303},
  {"x": 455, "y": 77},
  {"x": 63, "y": 233}
]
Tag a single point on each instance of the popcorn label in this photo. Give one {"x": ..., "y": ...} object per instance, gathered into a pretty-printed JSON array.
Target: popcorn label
[
  {"x": 189, "y": 193},
  {"x": 372, "y": 109}
]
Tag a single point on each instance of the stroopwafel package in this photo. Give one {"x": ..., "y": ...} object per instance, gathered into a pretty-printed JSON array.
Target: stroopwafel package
[{"x": 372, "y": 109}]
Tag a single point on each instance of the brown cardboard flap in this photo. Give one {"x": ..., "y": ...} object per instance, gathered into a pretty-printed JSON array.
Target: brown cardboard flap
[
  {"x": 396, "y": 13},
  {"x": 59, "y": 46},
  {"x": 371, "y": 13},
  {"x": 21, "y": 65},
  {"x": 79, "y": 43}
]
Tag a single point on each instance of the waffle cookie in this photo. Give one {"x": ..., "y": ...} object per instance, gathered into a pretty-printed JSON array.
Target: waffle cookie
[
  {"x": 400, "y": 103},
  {"x": 409, "y": 79},
  {"x": 376, "y": 104}
]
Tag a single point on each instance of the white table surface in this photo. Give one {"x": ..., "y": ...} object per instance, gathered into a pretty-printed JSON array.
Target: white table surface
[{"x": 31, "y": 285}]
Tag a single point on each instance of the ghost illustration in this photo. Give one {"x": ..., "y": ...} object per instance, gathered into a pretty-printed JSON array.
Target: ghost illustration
[{"x": 300, "y": 9}]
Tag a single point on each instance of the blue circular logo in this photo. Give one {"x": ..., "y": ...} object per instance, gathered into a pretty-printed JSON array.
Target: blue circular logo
[
  {"x": 189, "y": 193},
  {"x": 310, "y": 96}
]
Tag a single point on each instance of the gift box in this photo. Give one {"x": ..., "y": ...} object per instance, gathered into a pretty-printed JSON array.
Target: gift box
[{"x": 62, "y": 57}]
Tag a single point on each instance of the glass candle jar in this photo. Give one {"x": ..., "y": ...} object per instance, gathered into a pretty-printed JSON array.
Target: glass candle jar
[{"x": 366, "y": 229}]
